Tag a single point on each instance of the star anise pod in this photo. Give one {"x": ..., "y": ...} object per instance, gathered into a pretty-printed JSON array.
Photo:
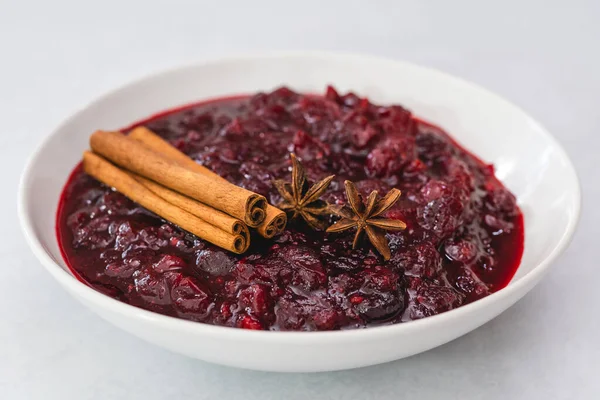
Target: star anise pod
[
  {"x": 301, "y": 200},
  {"x": 366, "y": 217}
]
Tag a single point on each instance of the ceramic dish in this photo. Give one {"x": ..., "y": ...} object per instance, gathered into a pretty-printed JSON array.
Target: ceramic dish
[{"x": 527, "y": 160}]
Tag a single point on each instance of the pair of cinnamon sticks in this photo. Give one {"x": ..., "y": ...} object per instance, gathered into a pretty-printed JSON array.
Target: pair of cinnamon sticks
[{"x": 167, "y": 182}]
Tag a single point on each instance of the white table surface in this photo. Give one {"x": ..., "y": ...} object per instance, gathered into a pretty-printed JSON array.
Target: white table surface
[{"x": 57, "y": 55}]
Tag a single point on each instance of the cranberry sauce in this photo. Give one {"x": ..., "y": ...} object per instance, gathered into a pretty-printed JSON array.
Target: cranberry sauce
[{"x": 464, "y": 238}]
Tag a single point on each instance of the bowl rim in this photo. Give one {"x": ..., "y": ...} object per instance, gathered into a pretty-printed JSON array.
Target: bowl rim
[{"x": 83, "y": 290}]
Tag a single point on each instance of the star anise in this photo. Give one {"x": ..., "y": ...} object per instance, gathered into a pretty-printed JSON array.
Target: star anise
[
  {"x": 365, "y": 217},
  {"x": 301, "y": 200}
]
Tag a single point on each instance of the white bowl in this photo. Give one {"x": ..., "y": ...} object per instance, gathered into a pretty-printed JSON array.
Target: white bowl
[{"x": 527, "y": 159}]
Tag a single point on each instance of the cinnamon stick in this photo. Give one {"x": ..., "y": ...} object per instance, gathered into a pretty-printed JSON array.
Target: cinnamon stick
[
  {"x": 111, "y": 175},
  {"x": 202, "y": 211},
  {"x": 221, "y": 195},
  {"x": 275, "y": 219},
  {"x": 274, "y": 223}
]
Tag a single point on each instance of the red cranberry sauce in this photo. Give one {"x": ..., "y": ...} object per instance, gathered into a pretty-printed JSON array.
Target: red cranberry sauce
[{"x": 464, "y": 238}]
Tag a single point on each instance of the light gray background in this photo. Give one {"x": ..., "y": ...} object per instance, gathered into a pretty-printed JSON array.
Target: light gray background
[{"x": 56, "y": 56}]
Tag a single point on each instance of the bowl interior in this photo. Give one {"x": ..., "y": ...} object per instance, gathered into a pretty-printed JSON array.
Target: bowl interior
[{"x": 526, "y": 158}]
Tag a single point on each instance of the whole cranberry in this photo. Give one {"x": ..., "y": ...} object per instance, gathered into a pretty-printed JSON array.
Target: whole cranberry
[
  {"x": 215, "y": 261},
  {"x": 256, "y": 300},
  {"x": 443, "y": 211},
  {"x": 462, "y": 251},
  {"x": 190, "y": 297},
  {"x": 390, "y": 156},
  {"x": 152, "y": 286},
  {"x": 380, "y": 294}
]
